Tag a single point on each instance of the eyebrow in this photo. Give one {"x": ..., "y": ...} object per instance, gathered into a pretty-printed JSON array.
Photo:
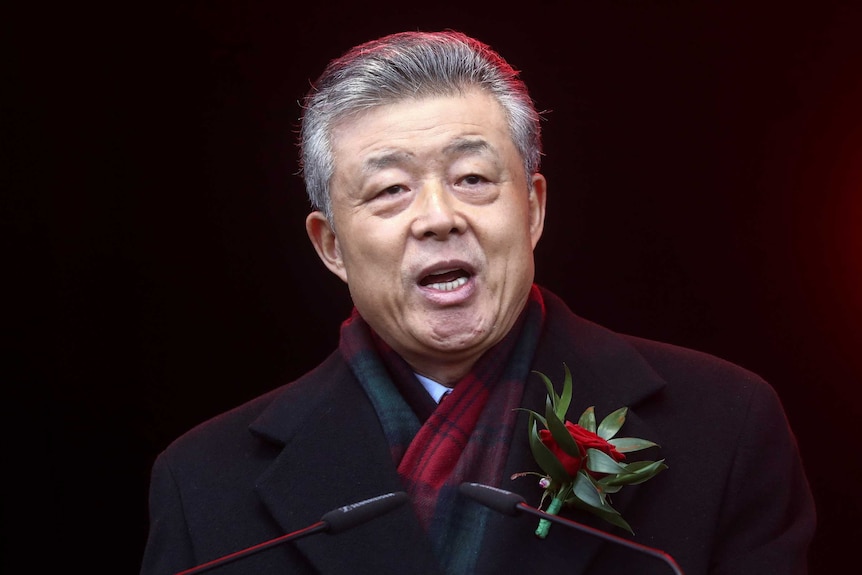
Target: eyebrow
[
  {"x": 458, "y": 147},
  {"x": 468, "y": 146},
  {"x": 385, "y": 160}
]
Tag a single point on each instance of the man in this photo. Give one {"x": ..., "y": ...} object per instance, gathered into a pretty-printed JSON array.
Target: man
[{"x": 421, "y": 155}]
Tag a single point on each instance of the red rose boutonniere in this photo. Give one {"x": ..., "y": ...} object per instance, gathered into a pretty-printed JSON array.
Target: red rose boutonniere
[{"x": 584, "y": 463}]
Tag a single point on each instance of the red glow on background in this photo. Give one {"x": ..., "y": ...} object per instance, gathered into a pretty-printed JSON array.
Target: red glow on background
[
  {"x": 837, "y": 253},
  {"x": 847, "y": 245}
]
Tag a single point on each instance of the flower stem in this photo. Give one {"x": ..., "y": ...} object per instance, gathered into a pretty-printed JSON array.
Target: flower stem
[{"x": 544, "y": 524}]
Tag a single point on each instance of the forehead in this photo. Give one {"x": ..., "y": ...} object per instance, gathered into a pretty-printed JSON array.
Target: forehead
[{"x": 471, "y": 123}]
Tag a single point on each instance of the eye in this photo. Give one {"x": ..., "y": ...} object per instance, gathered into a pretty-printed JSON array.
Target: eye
[
  {"x": 473, "y": 180},
  {"x": 392, "y": 190},
  {"x": 476, "y": 188}
]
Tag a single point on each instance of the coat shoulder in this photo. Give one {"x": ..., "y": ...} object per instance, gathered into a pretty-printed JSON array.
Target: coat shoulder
[
  {"x": 240, "y": 429},
  {"x": 674, "y": 364}
]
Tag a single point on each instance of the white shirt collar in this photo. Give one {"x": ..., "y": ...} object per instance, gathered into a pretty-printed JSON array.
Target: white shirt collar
[{"x": 434, "y": 389}]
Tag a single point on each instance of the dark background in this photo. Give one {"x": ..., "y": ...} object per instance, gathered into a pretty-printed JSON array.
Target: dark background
[{"x": 704, "y": 175}]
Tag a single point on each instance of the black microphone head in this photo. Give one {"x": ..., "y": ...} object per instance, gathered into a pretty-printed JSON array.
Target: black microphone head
[
  {"x": 355, "y": 514},
  {"x": 493, "y": 497}
]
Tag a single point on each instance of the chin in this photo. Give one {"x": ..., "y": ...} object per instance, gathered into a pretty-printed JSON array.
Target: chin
[{"x": 455, "y": 340}]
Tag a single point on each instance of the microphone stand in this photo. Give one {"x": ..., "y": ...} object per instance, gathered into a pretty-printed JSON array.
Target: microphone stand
[
  {"x": 510, "y": 503},
  {"x": 314, "y": 528},
  {"x": 657, "y": 553},
  {"x": 334, "y": 521}
]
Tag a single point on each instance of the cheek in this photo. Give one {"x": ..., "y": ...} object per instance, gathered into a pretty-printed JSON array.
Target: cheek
[
  {"x": 370, "y": 254},
  {"x": 511, "y": 242}
]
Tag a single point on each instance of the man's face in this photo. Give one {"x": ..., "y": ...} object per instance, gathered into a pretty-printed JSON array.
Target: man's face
[{"x": 434, "y": 227}]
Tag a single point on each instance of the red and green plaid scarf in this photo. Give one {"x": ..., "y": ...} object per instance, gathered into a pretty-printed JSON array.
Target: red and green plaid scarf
[{"x": 465, "y": 439}]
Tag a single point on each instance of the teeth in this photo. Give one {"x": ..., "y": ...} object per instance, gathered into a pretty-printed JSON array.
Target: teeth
[{"x": 448, "y": 286}]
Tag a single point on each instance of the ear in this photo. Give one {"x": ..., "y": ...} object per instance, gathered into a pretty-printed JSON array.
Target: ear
[
  {"x": 325, "y": 243},
  {"x": 538, "y": 197}
]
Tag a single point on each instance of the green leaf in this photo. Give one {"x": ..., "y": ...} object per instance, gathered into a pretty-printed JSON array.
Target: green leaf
[
  {"x": 636, "y": 466},
  {"x": 613, "y": 517},
  {"x": 601, "y": 462},
  {"x": 649, "y": 471},
  {"x": 560, "y": 434},
  {"x": 612, "y": 423},
  {"x": 610, "y": 488},
  {"x": 566, "y": 398},
  {"x": 552, "y": 393},
  {"x": 605, "y": 510},
  {"x": 549, "y": 406},
  {"x": 546, "y": 460},
  {"x": 588, "y": 419},
  {"x": 638, "y": 472},
  {"x": 587, "y": 493},
  {"x": 631, "y": 444},
  {"x": 534, "y": 414}
]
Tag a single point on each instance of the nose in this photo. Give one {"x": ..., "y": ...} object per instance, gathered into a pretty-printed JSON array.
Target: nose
[{"x": 437, "y": 214}]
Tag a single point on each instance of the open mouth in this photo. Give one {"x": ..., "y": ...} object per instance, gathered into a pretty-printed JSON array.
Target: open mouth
[{"x": 446, "y": 281}]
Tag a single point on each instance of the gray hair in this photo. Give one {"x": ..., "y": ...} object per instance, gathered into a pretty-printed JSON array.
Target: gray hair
[{"x": 408, "y": 65}]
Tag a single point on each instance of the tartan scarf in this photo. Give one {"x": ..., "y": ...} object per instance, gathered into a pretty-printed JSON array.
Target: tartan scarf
[{"x": 466, "y": 438}]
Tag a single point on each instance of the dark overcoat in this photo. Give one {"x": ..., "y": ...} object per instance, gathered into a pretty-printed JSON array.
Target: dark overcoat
[{"x": 734, "y": 499}]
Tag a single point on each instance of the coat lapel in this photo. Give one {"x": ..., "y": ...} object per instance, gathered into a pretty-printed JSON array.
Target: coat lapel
[
  {"x": 608, "y": 373},
  {"x": 335, "y": 454}
]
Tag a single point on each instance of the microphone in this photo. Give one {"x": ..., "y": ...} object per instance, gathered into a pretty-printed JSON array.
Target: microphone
[
  {"x": 513, "y": 504},
  {"x": 334, "y": 521}
]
